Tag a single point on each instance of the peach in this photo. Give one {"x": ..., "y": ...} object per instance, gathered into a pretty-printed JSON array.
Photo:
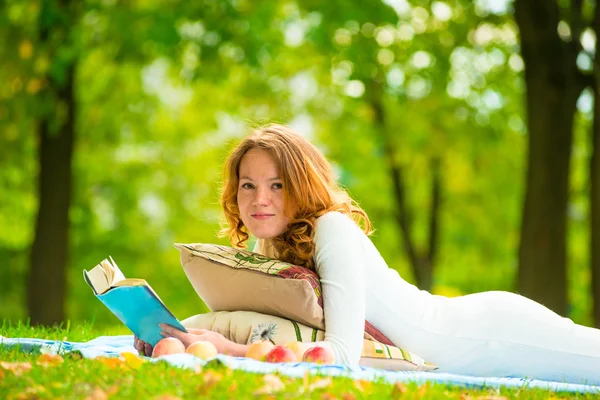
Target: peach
[
  {"x": 168, "y": 345},
  {"x": 299, "y": 348},
  {"x": 319, "y": 355},
  {"x": 259, "y": 350},
  {"x": 202, "y": 349},
  {"x": 280, "y": 354}
]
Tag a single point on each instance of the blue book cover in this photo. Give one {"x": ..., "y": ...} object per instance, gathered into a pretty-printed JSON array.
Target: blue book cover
[{"x": 131, "y": 300}]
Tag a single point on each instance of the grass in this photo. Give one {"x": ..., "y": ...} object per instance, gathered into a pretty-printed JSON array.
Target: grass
[{"x": 36, "y": 376}]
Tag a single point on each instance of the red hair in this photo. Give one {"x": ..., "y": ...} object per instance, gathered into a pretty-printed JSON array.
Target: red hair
[{"x": 309, "y": 188}]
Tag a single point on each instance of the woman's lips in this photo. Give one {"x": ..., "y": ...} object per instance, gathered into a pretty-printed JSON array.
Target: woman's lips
[{"x": 262, "y": 216}]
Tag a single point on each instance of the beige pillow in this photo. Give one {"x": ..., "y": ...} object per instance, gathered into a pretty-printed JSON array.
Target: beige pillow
[
  {"x": 229, "y": 279},
  {"x": 245, "y": 327}
]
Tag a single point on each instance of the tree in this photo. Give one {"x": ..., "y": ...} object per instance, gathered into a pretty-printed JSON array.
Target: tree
[
  {"x": 56, "y": 132},
  {"x": 553, "y": 85}
]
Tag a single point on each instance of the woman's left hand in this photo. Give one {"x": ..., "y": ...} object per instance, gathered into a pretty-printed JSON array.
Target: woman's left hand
[{"x": 222, "y": 344}]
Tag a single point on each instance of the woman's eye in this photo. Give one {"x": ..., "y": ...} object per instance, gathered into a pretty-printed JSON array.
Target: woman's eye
[
  {"x": 277, "y": 186},
  {"x": 247, "y": 186}
]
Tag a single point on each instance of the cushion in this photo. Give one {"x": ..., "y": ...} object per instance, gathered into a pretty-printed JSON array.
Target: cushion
[
  {"x": 229, "y": 279},
  {"x": 245, "y": 327}
]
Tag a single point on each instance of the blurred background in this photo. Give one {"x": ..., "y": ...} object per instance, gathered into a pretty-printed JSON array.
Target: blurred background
[{"x": 466, "y": 130}]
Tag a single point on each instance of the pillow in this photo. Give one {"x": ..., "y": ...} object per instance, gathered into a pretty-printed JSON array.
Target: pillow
[
  {"x": 245, "y": 327},
  {"x": 229, "y": 279}
]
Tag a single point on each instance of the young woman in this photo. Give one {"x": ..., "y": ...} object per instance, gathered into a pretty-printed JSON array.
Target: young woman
[{"x": 279, "y": 188}]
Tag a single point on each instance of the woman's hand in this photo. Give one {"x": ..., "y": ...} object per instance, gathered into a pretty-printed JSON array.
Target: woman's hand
[
  {"x": 223, "y": 345},
  {"x": 142, "y": 347}
]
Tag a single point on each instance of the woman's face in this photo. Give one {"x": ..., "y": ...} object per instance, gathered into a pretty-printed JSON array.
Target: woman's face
[{"x": 260, "y": 195}]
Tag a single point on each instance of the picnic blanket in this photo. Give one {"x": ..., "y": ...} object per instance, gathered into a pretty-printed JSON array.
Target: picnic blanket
[{"x": 115, "y": 345}]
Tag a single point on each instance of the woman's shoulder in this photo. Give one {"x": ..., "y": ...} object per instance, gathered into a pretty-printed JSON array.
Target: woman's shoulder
[{"x": 333, "y": 221}]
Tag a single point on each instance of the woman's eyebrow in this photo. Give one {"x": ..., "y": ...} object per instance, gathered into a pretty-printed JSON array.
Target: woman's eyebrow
[{"x": 270, "y": 179}]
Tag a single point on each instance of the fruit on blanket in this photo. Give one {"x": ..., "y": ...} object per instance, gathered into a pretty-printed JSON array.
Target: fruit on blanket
[
  {"x": 168, "y": 345},
  {"x": 258, "y": 350},
  {"x": 299, "y": 348},
  {"x": 319, "y": 355},
  {"x": 280, "y": 354},
  {"x": 202, "y": 349}
]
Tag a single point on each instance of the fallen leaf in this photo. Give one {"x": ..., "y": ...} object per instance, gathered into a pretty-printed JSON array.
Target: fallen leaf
[
  {"x": 132, "y": 360},
  {"x": 111, "y": 362},
  {"x": 49, "y": 360},
  {"x": 233, "y": 387},
  {"x": 329, "y": 396},
  {"x": 348, "y": 396},
  {"x": 362, "y": 385},
  {"x": 422, "y": 391},
  {"x": 319, "y": 384},
  {"x": 211, "y": 377},
  {"x": 272, "y": 384},
  {"x": 97, "y": 394},
  {"x": 16, "y": 368},
  {"x": 399, "y": 389}
]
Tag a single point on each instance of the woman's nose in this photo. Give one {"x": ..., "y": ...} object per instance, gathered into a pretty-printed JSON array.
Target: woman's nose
[{"x": 261, "y": 197}]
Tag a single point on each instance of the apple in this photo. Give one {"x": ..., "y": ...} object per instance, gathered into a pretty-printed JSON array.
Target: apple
[
  {"x": 299, "y": 348},
  {"x": 280, "y": 354},
  {"x": 169, "y": 345},
  {"x": 202, "y": 349},
  {"x": 258, "y": 350},
  {"x": 319, "y": 355}
]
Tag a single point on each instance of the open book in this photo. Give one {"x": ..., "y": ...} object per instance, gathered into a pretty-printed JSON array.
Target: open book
[{"x": 132, "y": 300}]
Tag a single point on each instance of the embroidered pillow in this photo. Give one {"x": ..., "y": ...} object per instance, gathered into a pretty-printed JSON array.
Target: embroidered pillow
[
  {"x": 229, "y": 279},
  {"x": 245, "y": 327}
]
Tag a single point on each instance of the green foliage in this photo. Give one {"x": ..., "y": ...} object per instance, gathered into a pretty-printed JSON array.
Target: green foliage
[{"x": 164, "y": 88}]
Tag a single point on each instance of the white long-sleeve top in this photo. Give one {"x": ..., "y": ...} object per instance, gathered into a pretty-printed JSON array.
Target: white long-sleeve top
[{"x": 485, "y": 334}]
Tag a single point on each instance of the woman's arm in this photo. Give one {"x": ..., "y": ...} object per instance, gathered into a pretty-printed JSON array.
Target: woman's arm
[{"x": 340, "y": 263}]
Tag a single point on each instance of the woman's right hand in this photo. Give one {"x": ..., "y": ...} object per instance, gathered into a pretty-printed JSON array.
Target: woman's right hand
[{"x": 145, "y": 349}]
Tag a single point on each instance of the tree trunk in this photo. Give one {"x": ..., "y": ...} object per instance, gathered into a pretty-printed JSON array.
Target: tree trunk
[
  {"x": 552, "y": 84},
  {"x": 595, "y": 181},
  {"x": 46, "y": 291},
  {"x": 595, "y": 207},
  {"x": 422, "y": 262}
]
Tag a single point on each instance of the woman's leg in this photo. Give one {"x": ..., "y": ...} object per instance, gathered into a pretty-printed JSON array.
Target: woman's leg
[{"x": 501, "y": 334}]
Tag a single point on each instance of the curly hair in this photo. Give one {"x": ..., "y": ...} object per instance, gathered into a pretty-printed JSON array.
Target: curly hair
[{"x": 308, "y": 184}]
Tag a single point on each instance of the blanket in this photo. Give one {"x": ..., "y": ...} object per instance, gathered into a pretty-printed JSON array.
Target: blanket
[{"x": 115, "y": 345}]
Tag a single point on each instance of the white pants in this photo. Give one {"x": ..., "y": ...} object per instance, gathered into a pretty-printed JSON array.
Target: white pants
[{"x": 495, "y": 333}]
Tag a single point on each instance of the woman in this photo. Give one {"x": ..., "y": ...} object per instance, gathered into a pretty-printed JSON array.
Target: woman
[{"x": 279, "y": 188}]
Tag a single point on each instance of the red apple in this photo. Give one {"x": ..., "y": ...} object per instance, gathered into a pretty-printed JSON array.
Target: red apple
[
  {"x": 169, "y": 345},
  {"x": 319, "y": 355},
  {"x": 299, "y": 348},
  {"x": 280, "y": 354},
  {"x": 202, "y": 349},
  {"x": 259, "y": 350}
]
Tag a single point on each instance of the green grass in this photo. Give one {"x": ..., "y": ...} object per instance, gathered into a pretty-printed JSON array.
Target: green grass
[{"x": 80, "y": 378}]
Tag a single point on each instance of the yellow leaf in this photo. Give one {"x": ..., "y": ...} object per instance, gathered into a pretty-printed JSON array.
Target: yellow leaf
[
  {"x": 111, "y": 362},
  {"x": 132, "y": 360},
  {"x": 399, "y": 389},
  {"x": 25, "y": 49},
  {"x": 97, "y": 394},
  {"x": 319, "y": 384},
  {"x": 212, "y": 378},
  {"x": 49, "y": 360},
  {"x": 272, "y": 384},
  {"x": 16, "y": 368},
  {"x": 362, "y": 385}
]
